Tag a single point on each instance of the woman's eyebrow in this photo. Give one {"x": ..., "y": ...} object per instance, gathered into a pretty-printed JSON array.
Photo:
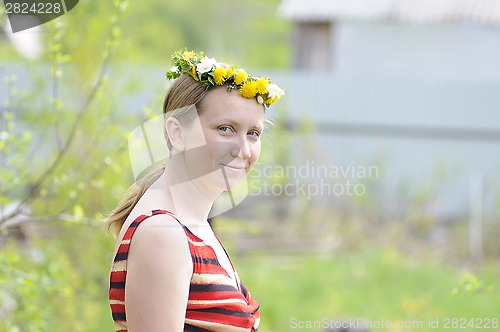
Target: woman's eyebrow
[{"x": 226, "y": 120}]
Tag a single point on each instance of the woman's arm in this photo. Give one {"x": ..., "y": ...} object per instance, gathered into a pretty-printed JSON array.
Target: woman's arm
[{"x": 159, "y": 271}]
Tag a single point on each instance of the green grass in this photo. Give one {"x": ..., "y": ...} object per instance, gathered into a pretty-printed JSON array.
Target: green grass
[
  {"x": 68, "y": 288},
  {"x": 373, "y": 284}
]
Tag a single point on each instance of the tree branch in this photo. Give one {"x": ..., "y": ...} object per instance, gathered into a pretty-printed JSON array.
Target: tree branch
[{"x": 36, "y": 185}]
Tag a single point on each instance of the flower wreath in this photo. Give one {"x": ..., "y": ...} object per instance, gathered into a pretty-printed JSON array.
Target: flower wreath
[{"x": 212, "y": 73}]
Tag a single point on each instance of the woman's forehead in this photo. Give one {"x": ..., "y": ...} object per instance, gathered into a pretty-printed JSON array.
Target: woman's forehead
[{"x": 222, "y": 104}]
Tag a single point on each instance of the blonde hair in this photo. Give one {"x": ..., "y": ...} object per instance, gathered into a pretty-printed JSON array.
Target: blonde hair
[{"x": 184, "y": 93}]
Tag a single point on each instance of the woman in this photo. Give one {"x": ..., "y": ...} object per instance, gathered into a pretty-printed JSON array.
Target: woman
[{"x": 175, "y": 275}]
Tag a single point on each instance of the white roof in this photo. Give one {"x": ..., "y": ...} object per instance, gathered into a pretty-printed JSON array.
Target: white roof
[{"x": 478, "y": 11}]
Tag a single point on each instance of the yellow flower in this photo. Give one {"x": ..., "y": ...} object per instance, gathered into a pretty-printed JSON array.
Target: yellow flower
[
  {"x": 270, "y": 101},
  {"x": 220, "y": 75},
  {"x": 229, "y": 72},
  {"x": 187, "y": 55},
  {"x": 262, "y": 85},
  {"x": 240, "y": 77},
  {"x": 249, "y": 89},
  {"x": 192, "y": 72}
]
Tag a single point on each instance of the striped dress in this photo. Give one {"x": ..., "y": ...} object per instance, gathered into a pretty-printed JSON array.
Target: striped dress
[{"x": 214, "y": 302}]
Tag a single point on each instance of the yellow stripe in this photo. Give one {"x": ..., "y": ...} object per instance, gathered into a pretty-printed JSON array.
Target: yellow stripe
[
  {"x": 196, "y": 244},
  {"x": 119, "y": 266},
  {"x": 116, "y": 302},
  {"x": 120, "y": 325},
  {"x": 257, "y": 323},
  {"x": 218, "y": 279}
]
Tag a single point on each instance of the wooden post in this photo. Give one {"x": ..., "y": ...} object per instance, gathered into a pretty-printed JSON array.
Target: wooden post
[
  {"x": 476, "y": 216},
  {"x": 312, "y": 43}
]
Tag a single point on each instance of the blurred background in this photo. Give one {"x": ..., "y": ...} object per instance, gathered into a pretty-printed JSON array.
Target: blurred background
[{"x": 377, "y": 194}]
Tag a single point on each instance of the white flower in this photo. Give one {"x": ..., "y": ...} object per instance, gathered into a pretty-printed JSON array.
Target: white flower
[
  {"x": 260, "y": 100},
  {"x": 275, "y": 91},
  {"x": 206, "y": 64},
  {"x": 174, "y": 70},
  {"x": 4, "y": 135}
]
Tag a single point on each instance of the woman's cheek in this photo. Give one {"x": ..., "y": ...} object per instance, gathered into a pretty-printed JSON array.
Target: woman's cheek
[{"x": 255, "y": 153}]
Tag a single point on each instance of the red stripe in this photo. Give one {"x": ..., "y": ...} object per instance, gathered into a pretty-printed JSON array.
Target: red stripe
[
  {"x": 117, "y": 308},
  {"x": 216, "y": 296},
  {"x": 118, "y": 276},
  {"x": 209, "y": 269},
  {"x": 117, "y": 294},
  {"x": 123, "y": 248}
]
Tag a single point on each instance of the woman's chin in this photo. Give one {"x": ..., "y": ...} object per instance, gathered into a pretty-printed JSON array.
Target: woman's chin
[{"x": 228, "y": 180}]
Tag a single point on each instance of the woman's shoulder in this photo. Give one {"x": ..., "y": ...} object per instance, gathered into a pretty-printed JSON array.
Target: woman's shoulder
[
  {"x": 152, "y": 221},
  {"x": 155, "y": 225},
  {"x": 144, "y": 212},
  {"x": 156, "y": 236},
  {"x": 159, "y": 231},
  {"x": 152, "y": 225}
]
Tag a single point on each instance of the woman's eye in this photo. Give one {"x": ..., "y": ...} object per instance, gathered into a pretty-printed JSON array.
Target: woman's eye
[
  {"x": 254, "y": 133},
  {"x": 225, "y": 129}
]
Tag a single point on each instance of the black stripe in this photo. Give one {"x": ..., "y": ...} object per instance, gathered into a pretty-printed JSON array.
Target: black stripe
[
  {"x": 225, "y": 312},
  {"x": 212, "y": 288},
  {"x": 160, "y": 211},
  {"x": 244, "y": 290},
  {"x": 119, "y": 316},
  {"x": 117, "y": 284},
  {"x": 134, "y": 224},
  {"x": 209, "y": 261},
  {"x": 121, "y": 256}
]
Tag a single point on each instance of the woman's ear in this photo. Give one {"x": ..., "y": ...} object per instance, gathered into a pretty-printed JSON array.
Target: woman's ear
[{"x": 174, "y": 130}]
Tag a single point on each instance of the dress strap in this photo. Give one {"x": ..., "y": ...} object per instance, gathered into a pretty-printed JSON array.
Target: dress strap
[{"x": 123, "y": 249}]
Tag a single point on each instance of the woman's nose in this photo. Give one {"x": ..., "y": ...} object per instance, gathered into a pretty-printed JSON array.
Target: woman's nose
[{"x": 242, "y": 149}]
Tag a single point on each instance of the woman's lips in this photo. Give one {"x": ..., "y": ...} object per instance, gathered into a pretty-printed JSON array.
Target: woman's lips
[{"x": 234, "y": 167}]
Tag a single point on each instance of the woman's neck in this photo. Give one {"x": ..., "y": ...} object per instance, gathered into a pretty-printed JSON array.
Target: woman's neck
[{"x": 192, "y": 200}]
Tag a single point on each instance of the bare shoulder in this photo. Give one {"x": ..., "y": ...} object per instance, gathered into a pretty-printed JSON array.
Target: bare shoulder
[
  {"x": 160, "y": 246},
  {"x": 159, "y": 235}
]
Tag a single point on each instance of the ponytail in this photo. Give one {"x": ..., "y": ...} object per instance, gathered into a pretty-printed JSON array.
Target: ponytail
[{"x": 116, "y": 219}]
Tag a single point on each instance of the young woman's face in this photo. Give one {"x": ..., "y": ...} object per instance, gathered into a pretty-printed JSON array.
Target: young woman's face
[{"x": 228, "y": 137}]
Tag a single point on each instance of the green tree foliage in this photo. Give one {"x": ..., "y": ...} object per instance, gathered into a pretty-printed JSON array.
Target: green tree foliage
[{"x": 55, "y": 157}]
